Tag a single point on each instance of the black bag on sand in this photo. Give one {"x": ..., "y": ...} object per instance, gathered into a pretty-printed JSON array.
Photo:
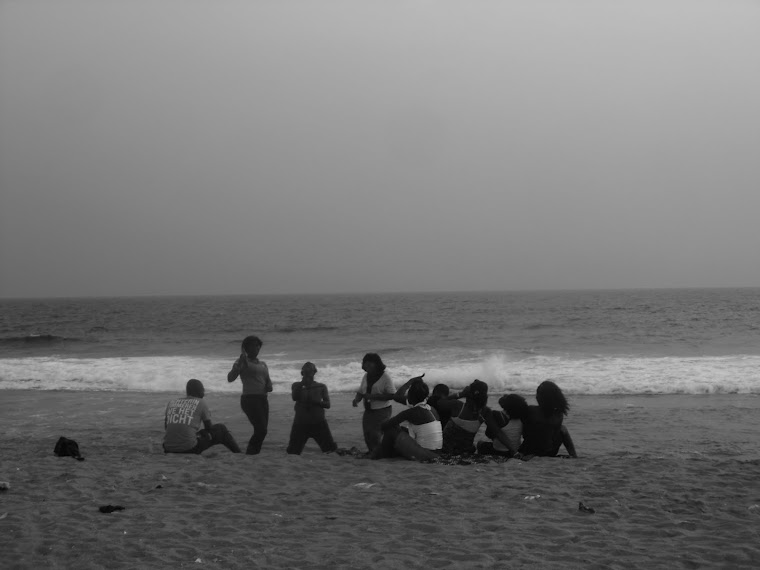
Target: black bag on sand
[{"x": 67, "y": 448}]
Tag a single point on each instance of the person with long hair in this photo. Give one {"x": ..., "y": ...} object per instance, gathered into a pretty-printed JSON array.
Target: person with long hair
[
  {"x": 543, "y": 432},
  {"x": 466, "y": 419},
  {"x": 376, "y": 391},
  {"x": 506, "y": 439}
]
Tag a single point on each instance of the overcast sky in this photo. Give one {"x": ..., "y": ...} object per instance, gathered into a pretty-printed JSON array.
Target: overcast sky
[{"x": 185, "y": 147}]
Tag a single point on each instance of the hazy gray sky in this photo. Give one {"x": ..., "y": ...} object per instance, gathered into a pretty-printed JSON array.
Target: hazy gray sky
[{"x": 166, "y": 147}]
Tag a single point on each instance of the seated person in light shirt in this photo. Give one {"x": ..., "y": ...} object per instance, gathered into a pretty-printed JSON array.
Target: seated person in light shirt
[
  {"x": 188, "y": 426},
  {"x": 414, "y": 433},
  {"x": 506, "y": 431}
]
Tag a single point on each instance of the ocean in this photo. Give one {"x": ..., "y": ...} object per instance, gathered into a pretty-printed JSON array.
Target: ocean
[{"x": 667, "y": 341}]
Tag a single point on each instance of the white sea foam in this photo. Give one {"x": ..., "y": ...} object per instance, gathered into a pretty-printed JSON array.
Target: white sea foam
[{"x": 592, "y": 375}]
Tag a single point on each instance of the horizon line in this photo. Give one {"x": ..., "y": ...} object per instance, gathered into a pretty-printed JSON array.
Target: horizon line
[{"x": 395, "y": 292}]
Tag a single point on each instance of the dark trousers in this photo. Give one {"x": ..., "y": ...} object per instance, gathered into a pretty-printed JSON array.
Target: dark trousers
[
  {"x": 301, "y": 432},
  {"x": 218, "y": 434},
  {"x": 371, "y": 420},
  {"x": 387, "y": 445},
  {"x": 257, "y": 409}
]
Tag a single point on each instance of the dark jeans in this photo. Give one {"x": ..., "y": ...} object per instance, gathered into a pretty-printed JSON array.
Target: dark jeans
[
  {"x": 371, "y": 420},
  {"x": 257, "y": 409},
  {"x": 301, "y": 432},
  {"x": 386, "y": 447},
  {"x": 216, "y": 435}
]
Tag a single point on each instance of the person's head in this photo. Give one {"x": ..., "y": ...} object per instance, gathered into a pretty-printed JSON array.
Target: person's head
[
  {"x": 550, "y": 399},
  {"x": 515, "y": 406},
  {"x": 440, "y": 391},
  {"x": 308, "y": 370},
  {"x": 373, "y": 363},
  {"x": 477, "y": 393},
  {"x": 418, "y": 392},
  {"x": 251, "y": 345},
  {"x": 194, "y": 388}
]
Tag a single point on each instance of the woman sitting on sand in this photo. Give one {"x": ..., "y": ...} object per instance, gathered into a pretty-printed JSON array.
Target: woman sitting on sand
[
  {"x": 506, "y": 439},
  {"x": 414, "y": 433},
  {"x": 466, "y": 419},
  {"x": 443, "y": 401},
  {"x": 543, "y": 432}
]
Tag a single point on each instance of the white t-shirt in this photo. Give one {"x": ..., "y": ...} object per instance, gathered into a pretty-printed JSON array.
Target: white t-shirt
[
  {"x": 384, "y": 385},
  {"x": 184, "y": 417}
]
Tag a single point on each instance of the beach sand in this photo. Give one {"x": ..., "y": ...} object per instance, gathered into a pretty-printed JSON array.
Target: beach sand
[{"x": 674, "y": 482}]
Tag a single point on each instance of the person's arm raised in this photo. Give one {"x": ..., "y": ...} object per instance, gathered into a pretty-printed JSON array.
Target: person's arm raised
[
  {"x": 237, "y": 367},
  {"x": 400, "y": 395}
]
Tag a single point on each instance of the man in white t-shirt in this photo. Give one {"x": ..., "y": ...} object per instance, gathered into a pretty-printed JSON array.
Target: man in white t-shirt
[{"x": 188, "y": 426}]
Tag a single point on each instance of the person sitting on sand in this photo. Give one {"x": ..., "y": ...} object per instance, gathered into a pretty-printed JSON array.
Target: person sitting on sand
[
  {"x": 401, "y": 394},
  {"x": 377, "y": 391},
  {"x": 506, "y": 441},
  {"x": 543, "y": 432},
  {"x": 414, "y": 433},
  {"x": 466, "y": 419},
  {"x": 443, "y": 402},
  {"x": 311, "y": 400},
  {"x": 188, "y": 426}
]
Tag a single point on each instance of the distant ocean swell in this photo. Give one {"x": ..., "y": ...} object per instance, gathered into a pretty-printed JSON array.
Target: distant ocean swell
[
  {"x": 689, "y": 341},
  {"x": 35, "y": 339},
  {"x": 503, "y": 373}
]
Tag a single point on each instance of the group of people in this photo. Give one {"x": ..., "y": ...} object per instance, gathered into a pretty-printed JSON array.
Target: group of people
[
  {"x": 187, "y": 420},
  {"x": 431, "y": 423}
]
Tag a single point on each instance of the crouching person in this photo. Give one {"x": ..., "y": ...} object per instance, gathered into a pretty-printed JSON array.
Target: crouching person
[
  {"x": 188, "y": 424},
  {"x": 311, "y": 400}
]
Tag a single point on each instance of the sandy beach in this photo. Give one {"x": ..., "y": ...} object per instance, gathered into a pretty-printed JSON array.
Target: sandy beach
[{"x": 674, "y": 481}]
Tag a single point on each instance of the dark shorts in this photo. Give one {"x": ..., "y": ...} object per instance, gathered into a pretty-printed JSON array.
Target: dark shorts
[{"x": 207, "y": 438}]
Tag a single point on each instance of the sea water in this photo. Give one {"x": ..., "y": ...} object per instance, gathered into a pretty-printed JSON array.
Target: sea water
[{"x": 589, "y": 342}]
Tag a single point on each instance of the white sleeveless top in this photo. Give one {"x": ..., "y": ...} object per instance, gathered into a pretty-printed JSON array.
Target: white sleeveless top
[{"x": 429, "y": 435}]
